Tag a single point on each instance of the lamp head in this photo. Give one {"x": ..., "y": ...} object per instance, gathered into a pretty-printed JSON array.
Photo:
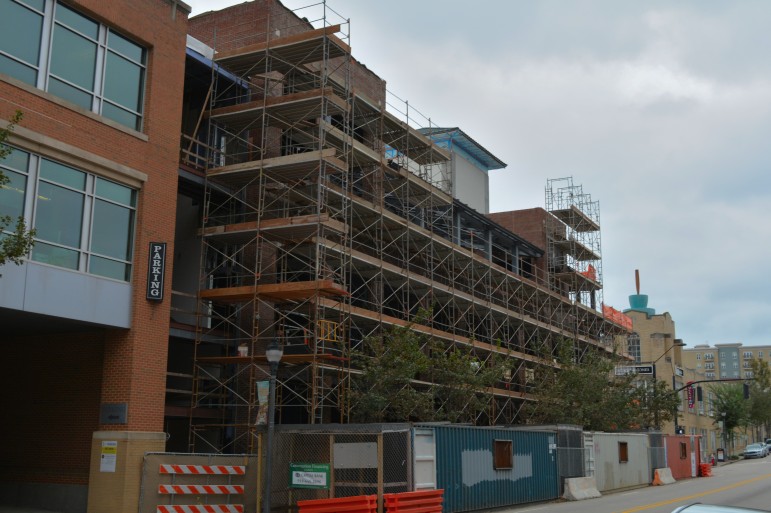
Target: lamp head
[{"x": 274, "y": 351}]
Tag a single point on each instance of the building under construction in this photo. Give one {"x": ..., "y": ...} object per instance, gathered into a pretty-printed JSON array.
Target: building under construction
[{"x": 318, "y": 211}]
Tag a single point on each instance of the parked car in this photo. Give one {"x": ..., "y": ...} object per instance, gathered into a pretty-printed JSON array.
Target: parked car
[
  {"x": 755, "y": 451},
  {"x": 714, "y": 508}
]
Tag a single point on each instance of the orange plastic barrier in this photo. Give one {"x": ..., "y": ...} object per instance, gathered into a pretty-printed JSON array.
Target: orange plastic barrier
[
  {"x": 356, "y": 504},
  {"x": 616, "y": 316},
  {"x": 429, "y": 501},
  {"x": 705, "y": 470}
]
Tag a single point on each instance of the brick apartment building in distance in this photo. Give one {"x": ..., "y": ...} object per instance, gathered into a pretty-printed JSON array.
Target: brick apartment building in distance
[{"x": 94, "y": 171}]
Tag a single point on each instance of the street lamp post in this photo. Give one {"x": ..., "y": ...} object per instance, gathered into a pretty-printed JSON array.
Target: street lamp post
[
  {"x": 677, "y": 343},
  {"x": 273, "y": 354}
]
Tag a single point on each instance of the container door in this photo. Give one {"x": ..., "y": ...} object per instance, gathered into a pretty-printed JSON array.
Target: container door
[
  {"x": 589, "y": 454},
  {"x": 424, "y": 459}
]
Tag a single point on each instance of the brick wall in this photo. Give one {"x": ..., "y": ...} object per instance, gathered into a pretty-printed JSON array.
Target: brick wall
[
  {"x": 56, "y": 391},
  {"x": 261, "y": 20}
]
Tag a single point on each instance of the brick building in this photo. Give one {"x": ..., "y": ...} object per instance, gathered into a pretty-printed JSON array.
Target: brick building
[{"x": 94, "y": 171}]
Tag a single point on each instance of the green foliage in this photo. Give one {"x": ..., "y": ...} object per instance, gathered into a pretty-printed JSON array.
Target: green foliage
[
  {"x": 730, "y": 405},
  {"x": 13, "y": 246},
  {"x": 407, "y": 376},
  {"x": 384, "y": 390},
  {"x": 588, "y": 393},
  {"x": 760, "y": 395}
]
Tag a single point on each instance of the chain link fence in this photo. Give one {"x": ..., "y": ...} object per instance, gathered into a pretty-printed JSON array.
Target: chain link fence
[
  {"x": 361, "y": 459},
  {"x": 657, "y": 451}
]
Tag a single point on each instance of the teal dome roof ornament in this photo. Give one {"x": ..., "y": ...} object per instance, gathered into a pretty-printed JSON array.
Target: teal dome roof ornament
[{"x": 639, "y": 302}]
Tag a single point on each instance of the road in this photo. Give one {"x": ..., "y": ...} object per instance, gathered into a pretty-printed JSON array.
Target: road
[{"x": 745, "y": 484}]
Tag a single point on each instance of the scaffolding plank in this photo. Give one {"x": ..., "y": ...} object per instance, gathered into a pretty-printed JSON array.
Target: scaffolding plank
[
  {"x": 287, "y": 167},
  {"x": 576, "y": 219},
  {"x": 281, "y": 228},
  {"x": 575, "y": 249},
  {"x": 285, "y": 52},
  {"x": 578, "y": 281},
  {"x": 283, "y": 111},
  {"x": 286, "y": 359},
  {"x": 286, "y": 291},
  {"x": 403, "y": 138},
  {"x": 362, "y": 153}
]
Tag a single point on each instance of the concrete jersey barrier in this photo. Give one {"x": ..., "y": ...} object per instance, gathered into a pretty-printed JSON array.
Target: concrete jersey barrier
[{"x": 580, "y": 488}]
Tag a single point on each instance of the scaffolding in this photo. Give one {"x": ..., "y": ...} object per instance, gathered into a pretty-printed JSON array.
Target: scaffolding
[{"x": 329, "y": 218}]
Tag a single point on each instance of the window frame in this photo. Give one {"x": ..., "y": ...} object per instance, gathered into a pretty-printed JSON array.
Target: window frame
[
  {"x": 503, "y": 454},
  {"x": 104, "y": 48},
  {"x": 623, "y": 452},
  {"x": 85, "y": 250}
]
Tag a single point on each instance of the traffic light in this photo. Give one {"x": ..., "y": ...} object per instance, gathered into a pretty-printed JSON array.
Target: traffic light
[
  {"x": 699, "y": 396},
  {"x": 746, "y": 387}
]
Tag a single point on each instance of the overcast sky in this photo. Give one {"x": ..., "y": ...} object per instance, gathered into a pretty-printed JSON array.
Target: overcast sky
[{"x": 661, "y": 110}]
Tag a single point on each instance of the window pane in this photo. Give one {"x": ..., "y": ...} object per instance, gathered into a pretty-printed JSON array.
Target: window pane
[
  {"x": 121, "y": 116},
  {"x": 17, "y": 159},
  {"x": 59, "y": 215},
  {"x": 115, "y": 192},
  {"x": 36, "y": 4},
  {"x": 77, "y": 21},
  {"x": 55, "y": 256},
  {"x": 124, "y": 46},
  {"x": 20, "y": 31},
  {"x": 12, "y": 195},
  {"x": 73, "y": 58},
  {"x": 123, "y": 82},
  {"x": 69, "y": 93},
  {"x": 111, "y": 232},
  {"x": 55, "y": 172},
  {"x": 109, "y": 268},
  {"x": 18, "y": 71}
]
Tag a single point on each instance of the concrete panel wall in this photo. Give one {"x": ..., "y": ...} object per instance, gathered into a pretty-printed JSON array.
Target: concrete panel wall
[{"x": 618, "y": 468}]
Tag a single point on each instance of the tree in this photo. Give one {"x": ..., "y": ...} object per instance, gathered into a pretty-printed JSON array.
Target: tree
[
  {"x": 16, "y": 244},
  {"x": 759, "y": 409},
  {"x": 407, "y": 376},
  {"x": 462, "y": 382},
  {"x": 384, "y": 390},
  {"x": 587, "y": 392},
  {"x": 731, "y": 408}
]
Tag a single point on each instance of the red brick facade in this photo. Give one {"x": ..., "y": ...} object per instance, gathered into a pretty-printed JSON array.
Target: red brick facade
[{"x": 54, "y": 382}]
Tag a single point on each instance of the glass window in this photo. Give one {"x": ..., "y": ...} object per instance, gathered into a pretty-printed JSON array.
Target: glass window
[
  {"x": 63, "y": 175},
  {"x": 125, "y": 47},
  {"x": 122, "y": 82},
  {"x": 20, "y": 38},
  {"x": 12, "y": 195},
  {"x": 633, "y": 346},
  {"x": 108, "y": 235},
  {"x": 58, "y": 256},
  {"x": 76, "y": 21},
  {"x": 116, "y": 192},
  {"x": 74, "y": 61},
  {"x": 59, "y": 215},
  {"x": 83, "y": 222}
]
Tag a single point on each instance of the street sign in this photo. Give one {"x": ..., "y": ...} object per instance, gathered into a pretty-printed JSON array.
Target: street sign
[
  {"x": 309, "y": 475},
  {"x": 646, "y": 370}
]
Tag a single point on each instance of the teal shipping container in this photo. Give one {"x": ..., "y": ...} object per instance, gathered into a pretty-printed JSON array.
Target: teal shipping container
[{"x": 482, "y": 468}]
